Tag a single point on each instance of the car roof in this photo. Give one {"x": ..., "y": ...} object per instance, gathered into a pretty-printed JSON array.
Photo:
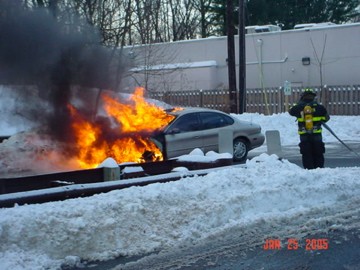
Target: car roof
[{"x": 186, "y": 110}]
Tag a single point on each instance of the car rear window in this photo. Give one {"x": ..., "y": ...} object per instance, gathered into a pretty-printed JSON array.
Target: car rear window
[{"x": 215, "y": 120}]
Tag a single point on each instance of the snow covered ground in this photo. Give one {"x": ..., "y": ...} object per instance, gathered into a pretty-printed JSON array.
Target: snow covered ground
[{"x": 140, "y": 220}]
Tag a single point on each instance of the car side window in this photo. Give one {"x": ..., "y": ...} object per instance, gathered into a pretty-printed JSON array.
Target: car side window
[
  {"x": 215, "y": 120},
  {"x": 185, "y": 123}
]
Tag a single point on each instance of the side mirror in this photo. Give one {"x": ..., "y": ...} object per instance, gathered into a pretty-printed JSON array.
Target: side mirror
[{"x": 173, "y": 131}]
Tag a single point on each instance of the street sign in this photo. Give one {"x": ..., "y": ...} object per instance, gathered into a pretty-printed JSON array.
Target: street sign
[{"x": 287, "y": 88}]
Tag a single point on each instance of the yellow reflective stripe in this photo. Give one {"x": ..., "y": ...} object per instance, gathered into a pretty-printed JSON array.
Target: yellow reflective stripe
[
  {"x": 313, "y": 132},
  {"x": 319, "y": 118}
]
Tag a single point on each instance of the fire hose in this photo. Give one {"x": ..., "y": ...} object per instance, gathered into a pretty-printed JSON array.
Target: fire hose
[{"x": 333, "y": 133}]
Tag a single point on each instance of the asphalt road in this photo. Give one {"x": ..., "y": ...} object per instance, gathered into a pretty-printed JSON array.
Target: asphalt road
[
  {"x": 242, "y": 254},
  {"x": 335, "y": 248}
]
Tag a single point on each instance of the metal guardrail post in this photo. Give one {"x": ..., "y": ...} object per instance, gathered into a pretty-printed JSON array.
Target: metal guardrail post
[
  {"x": 111, "y": 174},
  {"x": 226, "y": 141},
  {"x": 273, "y": 142}
]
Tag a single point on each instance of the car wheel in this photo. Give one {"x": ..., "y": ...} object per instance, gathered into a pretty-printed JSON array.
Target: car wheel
[{"x": 240, "y": 149}]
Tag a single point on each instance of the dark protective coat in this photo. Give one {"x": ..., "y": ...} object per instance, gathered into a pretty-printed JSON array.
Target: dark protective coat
[{"x": 311, "y": 144}]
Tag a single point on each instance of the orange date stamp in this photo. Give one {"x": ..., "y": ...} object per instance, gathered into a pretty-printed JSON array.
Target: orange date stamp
[{"x": 295, "y": 244}]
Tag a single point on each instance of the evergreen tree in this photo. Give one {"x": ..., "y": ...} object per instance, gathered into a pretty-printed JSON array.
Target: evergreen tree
[
  {"x": 218, "y": 10},
  {"x": 292, "y": 12}
]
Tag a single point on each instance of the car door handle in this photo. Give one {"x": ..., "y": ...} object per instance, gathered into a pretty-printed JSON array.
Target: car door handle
[{"x": 196, "y": 137}]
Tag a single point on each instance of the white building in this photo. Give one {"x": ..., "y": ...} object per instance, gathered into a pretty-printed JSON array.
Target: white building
[{"x": 309, "y": 56}]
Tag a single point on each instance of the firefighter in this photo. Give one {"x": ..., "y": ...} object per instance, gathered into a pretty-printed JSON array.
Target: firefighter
[{"x": 310, "y": 114}]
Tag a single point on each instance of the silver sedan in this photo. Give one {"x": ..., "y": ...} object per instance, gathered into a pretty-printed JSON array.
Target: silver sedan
[{"x": 199, "y": 128}]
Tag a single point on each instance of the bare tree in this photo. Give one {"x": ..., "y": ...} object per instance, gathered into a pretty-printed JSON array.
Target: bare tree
[
  {"x": 151, "y": 66},
  {"x": 185, "y": 19},
  {"x": 121, "y": 23},
  {"x": 127, "y": 22},
  {"x": 320, "y": 62}
]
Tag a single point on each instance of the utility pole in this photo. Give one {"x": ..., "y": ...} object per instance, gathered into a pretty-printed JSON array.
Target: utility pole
[
  {"x": 242, "y": 59},
  {"x": 230, "y": 30}
]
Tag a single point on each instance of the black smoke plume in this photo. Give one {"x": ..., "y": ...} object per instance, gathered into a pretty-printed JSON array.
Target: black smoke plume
[{"x": 37, "y": 49}]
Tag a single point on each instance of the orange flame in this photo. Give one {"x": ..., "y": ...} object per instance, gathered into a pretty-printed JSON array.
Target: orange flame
[{"x": 133, "y": 119}]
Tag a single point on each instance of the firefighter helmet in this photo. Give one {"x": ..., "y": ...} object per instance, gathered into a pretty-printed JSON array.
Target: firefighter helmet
[{"x": 308, "y": 91}]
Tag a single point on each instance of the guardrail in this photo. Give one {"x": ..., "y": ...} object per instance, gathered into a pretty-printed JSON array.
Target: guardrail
[{"x": 82, "y": 183}]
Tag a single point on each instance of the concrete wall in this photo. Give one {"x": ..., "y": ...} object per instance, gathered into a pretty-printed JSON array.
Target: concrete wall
[{"x": 271, "y": 59}]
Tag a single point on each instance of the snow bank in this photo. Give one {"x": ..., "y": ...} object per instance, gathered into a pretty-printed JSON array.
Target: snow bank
[{"x": 139, "y": 220}]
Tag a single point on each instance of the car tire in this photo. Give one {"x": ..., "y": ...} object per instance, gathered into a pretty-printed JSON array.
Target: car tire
[{"x": 241, "y": 149}]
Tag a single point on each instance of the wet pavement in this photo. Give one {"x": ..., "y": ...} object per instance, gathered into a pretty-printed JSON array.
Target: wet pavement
[{"x": 246, "y": 252}]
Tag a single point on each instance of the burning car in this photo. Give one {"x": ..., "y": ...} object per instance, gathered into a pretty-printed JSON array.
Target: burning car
[
  {"x": 127, "y": 128},
  {"x": 132, "y": 129},
  {"x": 199, "y": 128}
]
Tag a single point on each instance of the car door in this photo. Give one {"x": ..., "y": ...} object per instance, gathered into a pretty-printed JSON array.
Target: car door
[
  {"x": 183, "y": 135},
  {"x": 212, "y": 122}
]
